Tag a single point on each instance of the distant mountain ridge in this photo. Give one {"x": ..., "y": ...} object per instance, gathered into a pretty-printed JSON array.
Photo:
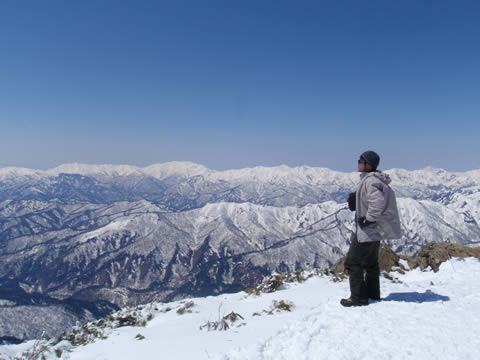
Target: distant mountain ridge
[
  {"x": 184, "y": 185},
  {"x": 125, "y": 235},
  {"x": 190, "y": 169}
]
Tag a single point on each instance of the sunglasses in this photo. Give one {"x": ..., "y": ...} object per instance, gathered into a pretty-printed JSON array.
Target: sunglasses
[{"x": 361, "y": 161}]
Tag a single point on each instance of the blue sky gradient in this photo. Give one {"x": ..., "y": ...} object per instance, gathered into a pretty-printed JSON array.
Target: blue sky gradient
[{"x": 233, "y": 84}]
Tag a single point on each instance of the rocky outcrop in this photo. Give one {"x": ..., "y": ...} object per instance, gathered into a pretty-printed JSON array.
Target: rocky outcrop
[
  {"x": 431, "y": 255},
  {"x": 387, "y": 260}
]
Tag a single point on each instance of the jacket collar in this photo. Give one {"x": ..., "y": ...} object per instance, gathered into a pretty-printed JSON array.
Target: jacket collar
[{"x": 385, "y": 178}]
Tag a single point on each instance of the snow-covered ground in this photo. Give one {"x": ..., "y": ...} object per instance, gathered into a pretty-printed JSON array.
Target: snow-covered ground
[{"x": 423, "y": 315}]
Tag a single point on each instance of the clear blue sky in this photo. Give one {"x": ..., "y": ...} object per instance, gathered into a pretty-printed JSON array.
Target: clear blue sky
[{"x": 232, "y": 84}]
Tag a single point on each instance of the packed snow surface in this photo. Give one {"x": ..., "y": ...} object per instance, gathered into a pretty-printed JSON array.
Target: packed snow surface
[{"x": 422, "y": 315}]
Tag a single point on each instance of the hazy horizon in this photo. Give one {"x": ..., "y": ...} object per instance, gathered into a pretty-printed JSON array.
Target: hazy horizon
[{"x": 224, "y": 169}]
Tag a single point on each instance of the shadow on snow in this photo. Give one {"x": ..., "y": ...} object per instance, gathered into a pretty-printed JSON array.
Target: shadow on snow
[{"x": 416, "y": 297}]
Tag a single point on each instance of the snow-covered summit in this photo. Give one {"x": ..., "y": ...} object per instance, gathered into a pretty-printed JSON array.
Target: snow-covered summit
[
  {"x": 422, "y": 315},
  {"x": 176, "y": 168},
  {"x": 434, "y": 176},
  {"x": 159, "y": 171},
  {"x": 11, "y": 172},
  {"x": 91, "y": 169}
]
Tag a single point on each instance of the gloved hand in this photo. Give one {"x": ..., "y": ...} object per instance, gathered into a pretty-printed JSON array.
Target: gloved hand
[
  {"x": 363, "y": 222},
  {"x": 352, "y": 201}
]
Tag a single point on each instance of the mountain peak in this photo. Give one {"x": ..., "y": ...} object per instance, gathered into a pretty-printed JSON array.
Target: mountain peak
[
  {"x": 93, "y": 169},
  {"x": 180, "y": 168},
  {"x": 16, "y": 172}
]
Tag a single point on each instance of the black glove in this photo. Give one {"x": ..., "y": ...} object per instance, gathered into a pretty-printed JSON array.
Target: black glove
[
  {"x": 352, "y": 201},
  {"x": 363, "y": 222}
]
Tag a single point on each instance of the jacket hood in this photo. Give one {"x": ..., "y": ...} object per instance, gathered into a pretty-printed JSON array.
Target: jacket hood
[{"x": 385, "y": 178}]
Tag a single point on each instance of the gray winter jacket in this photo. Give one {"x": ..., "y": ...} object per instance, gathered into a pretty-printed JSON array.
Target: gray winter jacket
[{"x": 375, "y": 200}]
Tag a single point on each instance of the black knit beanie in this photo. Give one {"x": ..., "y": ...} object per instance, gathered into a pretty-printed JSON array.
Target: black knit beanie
[{"x": 371, "y": 157}]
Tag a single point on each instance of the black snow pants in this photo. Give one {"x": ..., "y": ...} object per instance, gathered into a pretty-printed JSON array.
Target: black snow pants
[{"x": 361, "y": 263}]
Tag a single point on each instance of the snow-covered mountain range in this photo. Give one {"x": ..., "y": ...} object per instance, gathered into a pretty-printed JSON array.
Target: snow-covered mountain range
[
  {"x": 122, "y": 235},
  {"x": 183, "y": 185}
]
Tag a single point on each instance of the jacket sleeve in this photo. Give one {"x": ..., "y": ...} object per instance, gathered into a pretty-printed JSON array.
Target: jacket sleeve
[{"x": 375, "y": 200}]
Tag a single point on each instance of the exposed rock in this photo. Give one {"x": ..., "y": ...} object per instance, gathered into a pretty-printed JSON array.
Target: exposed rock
[
  {"x": 433, "y": 254},
  {"x": 339, "y": 266},
  {"x": 387, "y": 260}
]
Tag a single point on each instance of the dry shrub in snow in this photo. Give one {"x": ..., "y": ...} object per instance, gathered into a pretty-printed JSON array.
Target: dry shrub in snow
[
  {"x": 224, "y": 323},
  {"x": 276, "y": 307},
  {"x": 186, "y": 309}
]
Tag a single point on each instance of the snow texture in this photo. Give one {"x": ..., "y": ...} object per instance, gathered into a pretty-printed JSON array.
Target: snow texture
[{"x": 422, "y": 315}]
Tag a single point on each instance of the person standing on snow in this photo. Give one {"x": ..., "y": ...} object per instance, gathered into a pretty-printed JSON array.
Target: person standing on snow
[{"x": 376, "y": 219}]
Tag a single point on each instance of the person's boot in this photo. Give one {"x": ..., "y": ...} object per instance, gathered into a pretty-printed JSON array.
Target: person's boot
[{"x": 350, "y": 302}]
